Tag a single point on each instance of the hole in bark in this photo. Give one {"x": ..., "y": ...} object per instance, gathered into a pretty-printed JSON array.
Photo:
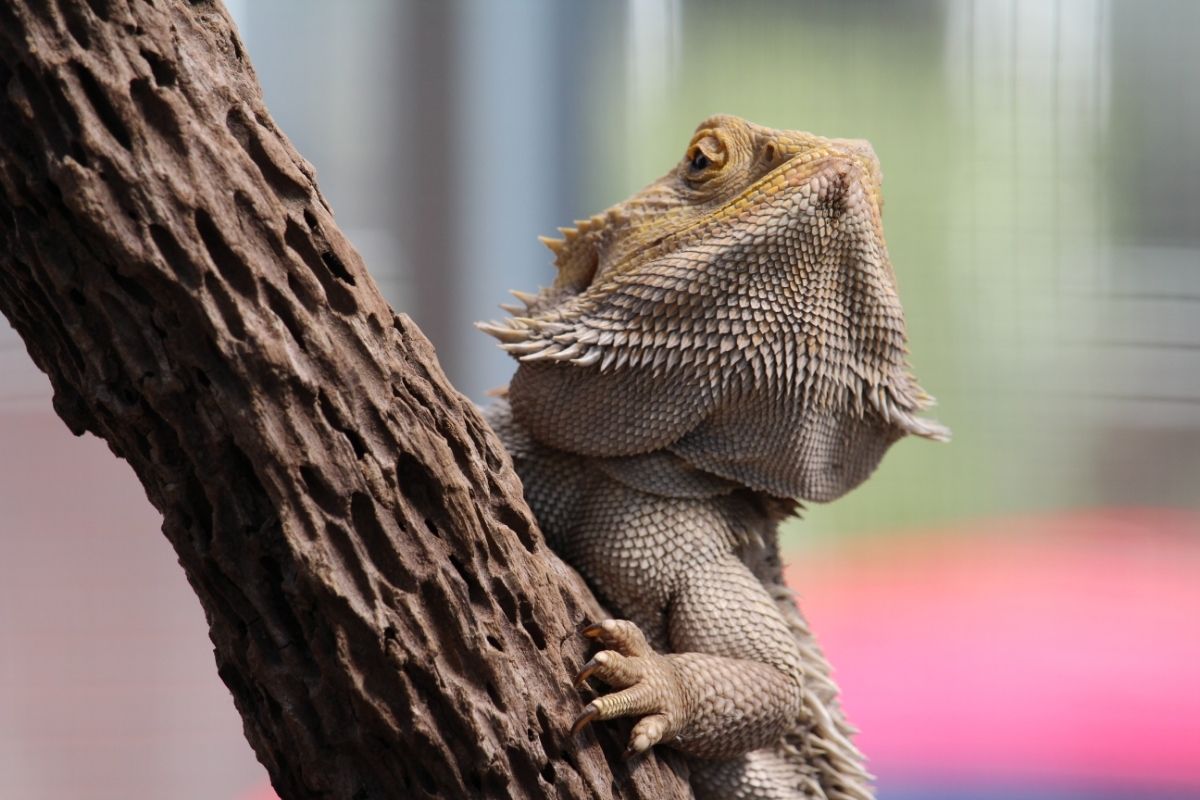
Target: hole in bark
[
  {"x": 337, "y": 267},
  {"x": 163, "y": 71},
  {"x": 79, "y": 154},
  {"x": 340, "y": 299},
  {"x": 118, "y": 326},
  {"x": 302, "y": 292},
  {"x": 418, "y": 487},
  {"x": 158, "y": 113},
  {"x": 495, "y": 783},
  {"x": 248, "y": 136},
  {"x": 378, "y": 542},
  {"x": 27, "y": 197},
  {"x": 338, "y": 423},
  {"x": 252, "y": 512},
  {"x": 133, "y": 288},
  {"x": 322, "y": 493},
  {"x": 519, "y": 524},
  {"x": 494, "y": 695},
  {"x": 496, "y": 551},
  {"x": 283, "y": 310},
  {"x": 495, "y": 643},
  {"x": 568, "y": 756},
  {"x": 455, "y": 727},
  {"x": 310, "y": 219},
  {"x": 225, "y": 305},
  {"x": 375, "y": 325},
  {"x": 546, "y": 735},
  {"x": 228, "y": 263},
  {"x": 202, "y": 378},
  {"x": 531, "y": 625},
  {"x": 166, "y": 318},
  {"x": 197, "y": 502},
  {"x": 45, "y": 109},
  {"x": 77, "y": 23},
  {"x": 277, "y": 613},
  {"x": 475, "y": 592},
  {"x": 128, "y": 396},
  {"x": 428, "y": 784},
  {"x": 103, "y": 106},
  {"x": 56, "y": 193},
  {"x": 351, "y": 563},
  {"x": 523, "y": 768},
  {"x": 508, "y": 603},
  {"x": 458, "y": 448},
  {"x": 305, "y": 396},
  {"x": 176, "y": 259},
  {"x": 548, "y": 773},
  {"x": 101, "y": 8}
]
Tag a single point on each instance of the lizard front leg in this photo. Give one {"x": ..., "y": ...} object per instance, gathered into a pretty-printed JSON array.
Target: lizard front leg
[{"x": 733, "y": 682}]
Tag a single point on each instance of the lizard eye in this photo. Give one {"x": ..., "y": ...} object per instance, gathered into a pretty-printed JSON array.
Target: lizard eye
[{"x": 705, "y": 157}]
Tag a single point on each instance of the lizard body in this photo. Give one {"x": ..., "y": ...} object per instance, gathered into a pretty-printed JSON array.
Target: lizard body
[{"x": 723, "y": 344}]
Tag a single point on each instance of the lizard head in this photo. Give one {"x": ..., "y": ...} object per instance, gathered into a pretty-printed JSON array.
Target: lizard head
[
  {"x": 728, "y": 163},
  {"x": 741, "y": 312}
]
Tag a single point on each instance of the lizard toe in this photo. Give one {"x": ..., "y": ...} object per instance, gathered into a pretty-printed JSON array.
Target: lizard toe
[
  {"x": 648, "y": 732},
  {"x": 647, "y": 688},
  {"x": 620, "y": 635},
  {"x": 613, "y": 668}
]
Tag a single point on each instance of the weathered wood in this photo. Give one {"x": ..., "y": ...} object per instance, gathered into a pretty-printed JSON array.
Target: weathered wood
[{"x": 383, "y": 608}]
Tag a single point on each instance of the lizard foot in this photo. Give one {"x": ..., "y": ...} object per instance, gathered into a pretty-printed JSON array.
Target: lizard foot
[{"x": 648, "y": 686}]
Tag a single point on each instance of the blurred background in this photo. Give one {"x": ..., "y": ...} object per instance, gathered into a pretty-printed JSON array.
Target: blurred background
[{"x": 1016, "y": 614}]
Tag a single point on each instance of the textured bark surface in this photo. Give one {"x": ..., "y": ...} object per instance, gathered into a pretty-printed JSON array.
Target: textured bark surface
[{"x": 384, "y": 611}]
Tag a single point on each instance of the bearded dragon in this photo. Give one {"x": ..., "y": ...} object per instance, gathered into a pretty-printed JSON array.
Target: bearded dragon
[{"x": 717, "y": 348}]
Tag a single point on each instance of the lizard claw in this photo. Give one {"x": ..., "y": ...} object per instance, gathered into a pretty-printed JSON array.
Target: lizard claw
[
  {"x": 621, "y": 635},
  {"x": 590, "y": 712},
  {"x": 589, "y": 669},
  {"x": 593, "y": 631},
  {"x": 646, "y": 683}
]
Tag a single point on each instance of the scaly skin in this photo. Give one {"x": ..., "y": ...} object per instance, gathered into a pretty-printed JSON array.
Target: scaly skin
[{"x": 724, "y": 343}]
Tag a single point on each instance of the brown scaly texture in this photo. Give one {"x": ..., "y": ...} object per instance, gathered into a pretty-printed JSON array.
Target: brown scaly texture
[
  {"x": 384, "y": 612},
  {"x": 724, "y": 343}
]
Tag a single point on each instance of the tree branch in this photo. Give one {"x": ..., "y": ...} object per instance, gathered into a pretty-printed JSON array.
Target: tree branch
[{"x": 383, "y": 608}]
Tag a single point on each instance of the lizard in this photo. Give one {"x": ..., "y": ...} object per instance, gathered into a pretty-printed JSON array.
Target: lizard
[{"x": 719, "y": 348}]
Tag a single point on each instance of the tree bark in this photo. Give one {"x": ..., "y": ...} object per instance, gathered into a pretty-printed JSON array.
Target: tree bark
[{"x": 383, "y": 609}]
